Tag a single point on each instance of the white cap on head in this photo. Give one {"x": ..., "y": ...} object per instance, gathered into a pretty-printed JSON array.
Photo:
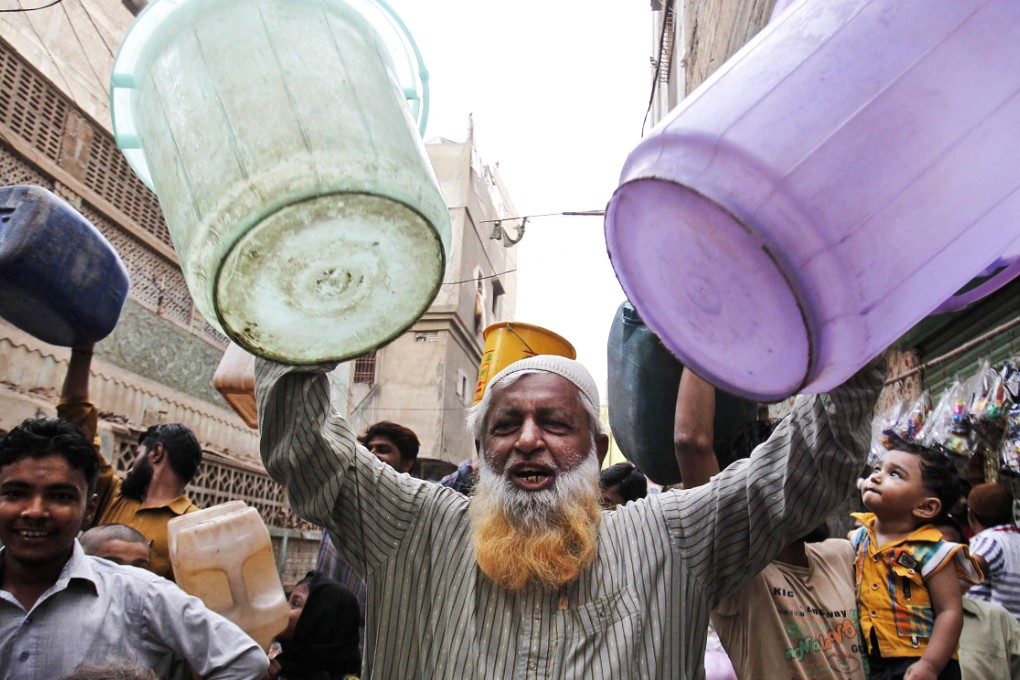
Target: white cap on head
[{"x": 561, "y": 366}]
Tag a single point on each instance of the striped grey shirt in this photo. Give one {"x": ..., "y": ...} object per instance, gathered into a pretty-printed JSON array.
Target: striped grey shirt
[
  {"x": 640, "y": 611},
  {"x": 1000, "y": 548}
]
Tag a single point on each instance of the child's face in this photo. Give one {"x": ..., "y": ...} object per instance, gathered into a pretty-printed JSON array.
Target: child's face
[{"x": 894, "y": 489}]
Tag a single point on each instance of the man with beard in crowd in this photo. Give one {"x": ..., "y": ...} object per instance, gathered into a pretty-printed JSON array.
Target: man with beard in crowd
[
  {"x": 152, "y": 492},
  {"x": 528, "y": 578}
]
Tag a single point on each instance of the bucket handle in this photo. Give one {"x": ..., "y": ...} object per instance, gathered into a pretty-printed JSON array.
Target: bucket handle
[
  {"x": 1010, "y": 270},
  {"x": 510, "y": 327},
  {"x": 419, "y": 106}
]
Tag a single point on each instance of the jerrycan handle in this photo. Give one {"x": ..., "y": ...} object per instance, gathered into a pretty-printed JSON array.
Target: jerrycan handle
[
  {"x": 1009, "y": 271},
  {"x": 630, "y": 316}
]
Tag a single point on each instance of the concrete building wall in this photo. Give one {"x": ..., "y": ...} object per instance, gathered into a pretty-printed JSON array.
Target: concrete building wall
[
  {"x": 474, "y": 193},
  {"x": 712, "y": 30},
  {"x": 700, "y": 35}
]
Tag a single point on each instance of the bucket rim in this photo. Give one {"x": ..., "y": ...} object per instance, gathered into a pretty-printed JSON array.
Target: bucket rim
[
  {"x": 656, "y": 316},
  {"x": 531, "y": 327},
  {"x": 279, "y": 357}
]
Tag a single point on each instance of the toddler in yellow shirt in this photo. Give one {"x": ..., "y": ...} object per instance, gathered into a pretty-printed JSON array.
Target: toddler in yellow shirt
[{"x": 911, "y": 610}]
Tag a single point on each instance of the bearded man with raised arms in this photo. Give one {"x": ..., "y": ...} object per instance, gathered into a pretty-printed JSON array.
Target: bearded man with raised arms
[{"x": 529, "y": 578}]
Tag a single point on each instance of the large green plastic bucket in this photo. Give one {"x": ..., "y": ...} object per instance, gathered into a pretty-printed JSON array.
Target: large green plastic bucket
[{"x": 277, "y": 134}]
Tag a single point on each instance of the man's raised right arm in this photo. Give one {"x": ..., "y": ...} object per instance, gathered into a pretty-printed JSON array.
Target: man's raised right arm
[
  {"x": 331, "y": 480},
  {"x": 694, "y": 430},
  {"x": 76, "y": 408}
]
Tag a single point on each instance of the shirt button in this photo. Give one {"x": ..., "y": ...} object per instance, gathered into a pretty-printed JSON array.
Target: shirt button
[
  {"x": 910, "y": 571},
  {"x": 24, "y": 656},
  {"x": 602, "y": 611},
  {"x": 874, "y": 558},
  {"x": 873, "y": 613},
  {"x": 537, "y": 616},
  {"x": 532, "y": 666},
  {"x": 874, "y": 586}
]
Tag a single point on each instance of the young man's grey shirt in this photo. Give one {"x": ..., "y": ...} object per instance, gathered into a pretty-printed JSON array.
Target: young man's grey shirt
[{"x": 99, "y": 612}]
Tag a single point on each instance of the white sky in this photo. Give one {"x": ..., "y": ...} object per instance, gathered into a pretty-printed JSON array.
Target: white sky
[{"x": 558, "y": 91}]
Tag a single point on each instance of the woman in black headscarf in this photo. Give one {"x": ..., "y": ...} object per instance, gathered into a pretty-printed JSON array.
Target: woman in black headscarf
[{"x": 321, "y": 640}]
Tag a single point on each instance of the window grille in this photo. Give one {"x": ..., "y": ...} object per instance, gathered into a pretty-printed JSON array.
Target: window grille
[
  {"x": 666, "y": 56},
  {"x": 364, "y": 369}
]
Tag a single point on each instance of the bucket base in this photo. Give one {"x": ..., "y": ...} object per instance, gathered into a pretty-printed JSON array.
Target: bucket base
[
  {"x": 686, "y": 264},
  {"x": 329, "y": 279}
]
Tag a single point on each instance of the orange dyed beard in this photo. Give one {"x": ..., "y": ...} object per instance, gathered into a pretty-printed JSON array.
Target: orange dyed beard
[{"x": 545, "y": 544}]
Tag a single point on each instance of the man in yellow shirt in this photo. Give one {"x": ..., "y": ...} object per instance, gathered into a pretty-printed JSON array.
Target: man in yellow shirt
[{"x": 152, "y": 492}]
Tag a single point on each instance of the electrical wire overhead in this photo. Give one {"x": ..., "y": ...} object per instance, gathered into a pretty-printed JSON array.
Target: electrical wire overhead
[
  {"x": 569, "y": 213},
  {"x": 30, "y": 9},
  {"x": 479, "y": 278}
]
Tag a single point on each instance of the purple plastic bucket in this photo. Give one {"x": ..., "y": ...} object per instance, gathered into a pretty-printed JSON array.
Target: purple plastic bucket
[{"x": 836, "y": 180}]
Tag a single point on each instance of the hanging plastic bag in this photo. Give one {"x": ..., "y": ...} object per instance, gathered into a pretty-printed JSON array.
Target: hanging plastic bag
[
  {"x": 925, "y": 436},
  {"x": 1009, "y": 451},
  {"x": 880, "y": 441},
  {"x": 908, "y": 426},
  {"x": 1011, "y": 379},
  {"x": 988, "y": 412},
  {"x": 948, "y": 427},
  {"x": 990, "y": 396},
  {"x": 887, "y": 422}
]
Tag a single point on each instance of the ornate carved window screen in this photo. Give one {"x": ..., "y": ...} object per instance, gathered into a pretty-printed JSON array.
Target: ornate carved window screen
[{"x": 218, "y": 481}]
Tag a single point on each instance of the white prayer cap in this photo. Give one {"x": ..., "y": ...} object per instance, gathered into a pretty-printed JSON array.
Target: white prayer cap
[{"x": 561, "y": 366}]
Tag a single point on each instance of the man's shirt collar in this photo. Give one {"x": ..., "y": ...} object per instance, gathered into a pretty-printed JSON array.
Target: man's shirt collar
[
  {"x": 77, "y": 570},
  {"x": 926, "y": 532}
]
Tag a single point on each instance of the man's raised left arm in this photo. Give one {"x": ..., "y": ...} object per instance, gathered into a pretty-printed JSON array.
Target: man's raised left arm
[{"x": 731, "y": 528}]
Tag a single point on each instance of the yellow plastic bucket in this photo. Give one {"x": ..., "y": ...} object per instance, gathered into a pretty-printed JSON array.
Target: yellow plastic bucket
[{"x": 509, "y": 341}]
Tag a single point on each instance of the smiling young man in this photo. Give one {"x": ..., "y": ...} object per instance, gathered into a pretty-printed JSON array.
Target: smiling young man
[
  {"x": 60, "y": 608},
  {"x": 527, "y": 578}
]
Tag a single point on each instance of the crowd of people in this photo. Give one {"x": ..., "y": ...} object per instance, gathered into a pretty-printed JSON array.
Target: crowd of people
[{"x": 529, "y": 561}]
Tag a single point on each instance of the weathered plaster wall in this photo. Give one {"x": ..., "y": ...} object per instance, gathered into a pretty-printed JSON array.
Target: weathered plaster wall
[
  {"x": 714, "y": 29},
  {"x": 32, "y": 371},
  {"x": 145, "y": 344},
  {"x": 73, "y": 44}
]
